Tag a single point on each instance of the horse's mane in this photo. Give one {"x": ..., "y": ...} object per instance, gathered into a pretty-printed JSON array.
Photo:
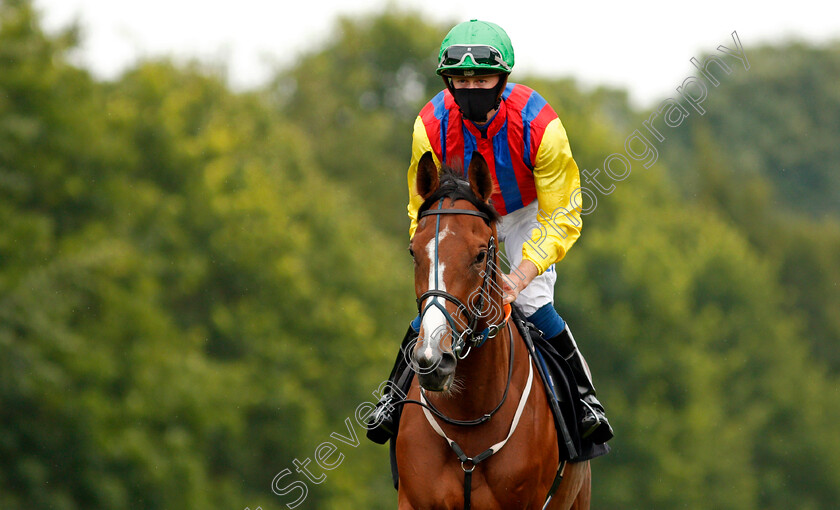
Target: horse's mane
[{"x": 455, "y": 187}]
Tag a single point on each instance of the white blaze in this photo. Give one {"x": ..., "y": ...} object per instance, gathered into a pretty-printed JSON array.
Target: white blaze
[{"x": 434, "y": 322}]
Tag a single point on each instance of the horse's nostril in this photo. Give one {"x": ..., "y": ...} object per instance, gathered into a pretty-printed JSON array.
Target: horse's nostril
[
  {"x": 438, "y": 363},
  {"x": 425, "y": 363},
  {"x": 447, "y": 362},
  {"x": 435, "y": 373}
]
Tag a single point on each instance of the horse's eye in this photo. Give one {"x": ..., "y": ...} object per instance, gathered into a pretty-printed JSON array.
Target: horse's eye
[{"x": 480, "y": 257}]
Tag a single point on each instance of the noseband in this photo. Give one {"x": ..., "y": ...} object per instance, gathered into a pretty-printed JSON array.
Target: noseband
[{"x": 468, "y": 337}]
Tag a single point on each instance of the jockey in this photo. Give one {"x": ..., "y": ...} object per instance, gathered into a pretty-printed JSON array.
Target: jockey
[{"x": 535, "y": 176}]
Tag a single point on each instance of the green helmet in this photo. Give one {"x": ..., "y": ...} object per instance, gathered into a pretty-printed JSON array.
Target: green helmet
[{"x": 475, "y": 47}]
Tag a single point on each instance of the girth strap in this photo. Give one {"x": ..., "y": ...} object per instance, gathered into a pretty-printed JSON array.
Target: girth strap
[{"x": 554, "y": 485}]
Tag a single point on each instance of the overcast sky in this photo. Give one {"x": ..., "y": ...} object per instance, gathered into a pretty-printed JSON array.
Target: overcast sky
[{"x": 644, "y": 46}]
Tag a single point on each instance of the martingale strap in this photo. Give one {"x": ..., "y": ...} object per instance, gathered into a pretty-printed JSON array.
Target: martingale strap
[{"x": 468, "y": 464}]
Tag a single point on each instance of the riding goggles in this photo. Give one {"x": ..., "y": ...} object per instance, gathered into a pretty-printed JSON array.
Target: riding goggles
[{"x": 481, "y": 54}]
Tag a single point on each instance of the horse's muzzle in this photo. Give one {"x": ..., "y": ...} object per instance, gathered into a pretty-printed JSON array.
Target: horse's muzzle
[{"x": 436, "y": 372}]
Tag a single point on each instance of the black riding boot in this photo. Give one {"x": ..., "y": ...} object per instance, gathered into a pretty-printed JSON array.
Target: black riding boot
[
  {"x": 594, "y": 424},
  {"x": 384, "y": 420}
]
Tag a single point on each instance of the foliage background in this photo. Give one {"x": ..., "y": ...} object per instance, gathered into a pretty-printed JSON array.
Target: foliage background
[{"x": 198, "y": 286}]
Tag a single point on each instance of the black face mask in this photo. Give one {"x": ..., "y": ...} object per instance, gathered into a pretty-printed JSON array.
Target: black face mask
[{"x": 475, "y": 103}]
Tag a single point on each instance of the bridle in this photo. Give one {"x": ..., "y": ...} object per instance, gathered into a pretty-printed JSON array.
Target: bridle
[{"x": 467, "y": 337}]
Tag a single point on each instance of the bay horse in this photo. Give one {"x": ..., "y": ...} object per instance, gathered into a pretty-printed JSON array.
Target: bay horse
[{"x": 483, "y": 435}]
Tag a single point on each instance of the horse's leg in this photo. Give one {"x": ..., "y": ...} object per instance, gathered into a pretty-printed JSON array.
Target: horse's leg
[
  {"x": 584, "y": 496},
  {"x": 402, "y": 502},
  {"x": 573, "y": 493}
]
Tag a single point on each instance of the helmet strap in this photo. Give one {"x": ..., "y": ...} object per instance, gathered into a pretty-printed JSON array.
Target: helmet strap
[
  {"x": 501, "y": 89},
  {"x": 447, "y": 81}
]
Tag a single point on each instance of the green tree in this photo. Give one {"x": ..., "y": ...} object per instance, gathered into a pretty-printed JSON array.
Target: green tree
[
  {"x": 357, "y": 97},
  {"x": 198, "y": 286},
  {"x": 763, "y": 154},
  {"x": 717, "y": 403},
  {"x": 180, "y": 319}
]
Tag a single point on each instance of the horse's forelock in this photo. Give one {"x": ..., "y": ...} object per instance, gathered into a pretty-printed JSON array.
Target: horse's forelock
[{"x": 454, "y": 186}]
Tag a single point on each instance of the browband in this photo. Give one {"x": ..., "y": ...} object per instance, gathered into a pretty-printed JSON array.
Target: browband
[{"x": 430, "y": 212}]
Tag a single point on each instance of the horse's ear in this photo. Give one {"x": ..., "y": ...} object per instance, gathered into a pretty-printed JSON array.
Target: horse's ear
[
  {"x": 427, "y": 176},
  {"x": 480, "y": 181}
]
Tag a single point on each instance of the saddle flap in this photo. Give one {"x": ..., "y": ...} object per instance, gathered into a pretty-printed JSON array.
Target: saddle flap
[{"x": 561, "y": 390}]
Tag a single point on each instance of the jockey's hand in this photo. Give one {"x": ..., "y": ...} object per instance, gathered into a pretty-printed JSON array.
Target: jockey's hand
[{"x": 516, "y": 281}]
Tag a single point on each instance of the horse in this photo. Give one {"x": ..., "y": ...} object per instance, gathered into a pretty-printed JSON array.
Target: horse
[{"x": 483, "y": 435}]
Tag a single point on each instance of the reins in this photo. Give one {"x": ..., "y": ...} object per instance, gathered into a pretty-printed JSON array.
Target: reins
[{"x": 465, "y": 423}]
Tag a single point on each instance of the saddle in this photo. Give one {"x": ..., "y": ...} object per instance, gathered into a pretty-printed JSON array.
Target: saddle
[
  {"x": 561, "y": 390},
  {"x": 563, "y": 397}
]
